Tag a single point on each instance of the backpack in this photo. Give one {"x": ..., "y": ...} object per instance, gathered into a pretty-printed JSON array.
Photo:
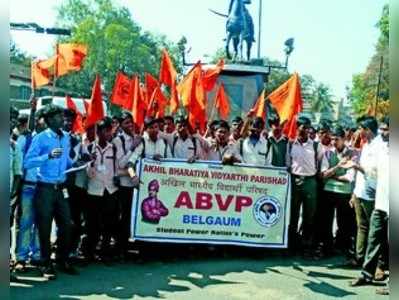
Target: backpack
[{"x": 165, "y": 149}]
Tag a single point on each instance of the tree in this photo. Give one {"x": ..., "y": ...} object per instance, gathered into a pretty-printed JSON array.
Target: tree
[
  {"x": 115, "y": 42},
  {"x": 363, "y": 93},
  {"x": 17, "y": 56}
]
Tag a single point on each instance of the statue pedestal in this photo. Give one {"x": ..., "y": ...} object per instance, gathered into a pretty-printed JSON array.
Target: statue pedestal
[{"x": 243, "y": 85}]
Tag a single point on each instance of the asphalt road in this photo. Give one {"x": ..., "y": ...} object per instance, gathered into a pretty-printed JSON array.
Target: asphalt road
[{"x": 213, "y": 275}]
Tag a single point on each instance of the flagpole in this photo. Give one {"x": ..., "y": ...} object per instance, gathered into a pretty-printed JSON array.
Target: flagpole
[
  {"x": 55, "y": 69},
  {"x": 211, "y": 116}
]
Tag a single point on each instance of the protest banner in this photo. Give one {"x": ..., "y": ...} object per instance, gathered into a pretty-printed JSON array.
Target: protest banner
[{"x": 207, "y": 202}]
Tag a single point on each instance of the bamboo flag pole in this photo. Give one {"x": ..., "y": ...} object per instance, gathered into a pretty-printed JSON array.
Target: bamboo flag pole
[
  {"x": 55, "y": 70},
  {"x": 212, "y": 113}
]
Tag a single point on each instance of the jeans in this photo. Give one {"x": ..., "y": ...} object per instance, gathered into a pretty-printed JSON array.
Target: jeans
[
  {"x": 125, "y": 214},
  {"x": 27, "y": 235}
]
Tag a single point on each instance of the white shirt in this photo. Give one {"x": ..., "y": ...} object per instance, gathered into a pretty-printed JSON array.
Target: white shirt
[
  {"x": 101, "y": 173},
  {"x": 184, "y": 149},
  {"x": 382, "y": 191},
  {"x": 367, "y": 161},
  {"x": 159, "y": 147},
  {"x": 254, "y": 154},
  {"x": 302, "y": 158},
  {"x": 216, "y": 153},
  {"x": 123, "y": 153}
]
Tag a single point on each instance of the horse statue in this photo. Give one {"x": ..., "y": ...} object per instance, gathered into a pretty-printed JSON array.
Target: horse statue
[{"x": 239, "y": 27}]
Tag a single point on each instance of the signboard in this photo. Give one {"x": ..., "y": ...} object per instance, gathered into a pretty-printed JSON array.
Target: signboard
[{"x": 207, "y": 202}]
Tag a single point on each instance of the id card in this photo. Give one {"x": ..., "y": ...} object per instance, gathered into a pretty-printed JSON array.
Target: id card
[
  {"x": 65, "y": 193},
  {"x": 101, "y": 168}
]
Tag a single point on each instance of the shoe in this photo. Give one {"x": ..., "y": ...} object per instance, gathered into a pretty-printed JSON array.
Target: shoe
[
  {"x": 379, "y": 275},
  {"x": 35, "y": 262},
  {"x": 66, "y": 268},
  {"x": 359, "y": 282},
  {"x": 48, "y": 272},
  {"x": 382, "y": 291},
  {"x": 20, "y": 267},
  {"x": 13, "y": 278},
  {"x": 353, "y": 263}
]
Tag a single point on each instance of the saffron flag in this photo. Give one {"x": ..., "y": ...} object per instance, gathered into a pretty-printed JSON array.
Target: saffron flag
[
  {"x": 222, "y": 103},
  {"x": 121, "y": 95},
  {"x": 96, "y": 110},
  {"x": 211, "y": 75},
  {"x": 77, "y": 126},
  {"x": 70, "y": 57},
  {"x": 138, "y": 107},
  {"x": 152, "y": 85},
  {"x": 290, "y": 127},
  {"x": 168, "y": 76},
  {"x": 42, "y": 72},
  {"x": 259, "y": 109},
  {"x": 287, "y": 98},
  {"x": 87, "y": 105}
]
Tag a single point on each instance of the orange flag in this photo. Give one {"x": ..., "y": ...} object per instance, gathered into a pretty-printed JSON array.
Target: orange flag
[
  {"x": 287, "y": 98},
  {"x": 290, "y": 127},
  {"x": 211, "y": 75},
  {"x": 168, "y": 76},
  {"x": 42, "y": 72},
  {"x": 96, "y": 110},
  {"x": 138, "y": 107},
  {"x": 152, "y": 85},
  {"x": 87, "y": 105},
  {"x": 70, "y": 57},
  {"x": 222, "y": 103},
  {"x": 121, "y": 93},
  {"x": 259, "y": 109},
  {"x": 78, "y": 122}
]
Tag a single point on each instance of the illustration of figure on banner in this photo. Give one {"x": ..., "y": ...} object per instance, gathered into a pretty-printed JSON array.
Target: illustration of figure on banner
[{"x": 152, "y": 209}]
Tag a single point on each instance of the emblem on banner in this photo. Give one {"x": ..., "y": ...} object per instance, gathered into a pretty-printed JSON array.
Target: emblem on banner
[{"x": 267, "y": 211}]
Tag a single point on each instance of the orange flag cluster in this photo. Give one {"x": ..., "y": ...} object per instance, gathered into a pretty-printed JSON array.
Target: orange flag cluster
[
  {"x": 69, "y": 57},
  {"x": 287, "y": 100}
]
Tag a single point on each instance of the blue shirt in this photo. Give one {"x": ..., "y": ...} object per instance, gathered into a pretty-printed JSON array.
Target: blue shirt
[
  {"x": 49, "y": 170},
  {"x": 30, "y": 174}
]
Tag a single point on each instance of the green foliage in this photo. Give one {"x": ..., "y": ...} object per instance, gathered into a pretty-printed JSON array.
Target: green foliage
[
  {"x": 364, "y": 86},
  {"x": 115, "y": 42},
  {"x": 17, "y": 56}
]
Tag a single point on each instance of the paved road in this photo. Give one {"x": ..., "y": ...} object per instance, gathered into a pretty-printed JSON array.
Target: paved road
[{"x": 235, "y": 277}]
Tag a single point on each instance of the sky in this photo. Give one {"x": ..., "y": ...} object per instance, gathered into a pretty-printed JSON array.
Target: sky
[{"x": 333, "y": 39}]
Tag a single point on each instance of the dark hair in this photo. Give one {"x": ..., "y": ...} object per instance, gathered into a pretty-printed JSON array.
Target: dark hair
[
  {"x": 69, "y": 113},
  {"x": 222, "y": 124},
  {"x": 169, "y": 118},
  {"x": 149, "y": 121},
  {"x": 51, "y": 110},
  {"x": 324, "y": 126},
  {"x": 274, "y": 120},
  {"x": 257, "y": 122},
  {"x": 370, "y": 123},
  {"x": 214, "y": 123},
  {"x": 181, "y": 119},
  {"x": 104, "y": 124},
  {"x": 338, "y": 131},
  {"x": 123, "y": 116},
  {"x": 237, "y": 119},
  {"x": 23, "y": 119},
  {"x": 303, "y": 121}
]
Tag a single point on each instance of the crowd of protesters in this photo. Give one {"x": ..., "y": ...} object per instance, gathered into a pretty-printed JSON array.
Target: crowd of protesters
[{"x": 338, "y": 173}]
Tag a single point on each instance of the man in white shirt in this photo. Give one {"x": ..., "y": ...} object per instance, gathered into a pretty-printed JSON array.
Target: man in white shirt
[
  {"x": 183, "y": 145},
  {"x": 125, "y": 143},
  {"x": 377, "y": 243},
  {"x": 304, "y": 158},
  {"x": 254, "y": 148},
  {"x": 103, "y": 202},
  {"x": 364, "y": 202}
]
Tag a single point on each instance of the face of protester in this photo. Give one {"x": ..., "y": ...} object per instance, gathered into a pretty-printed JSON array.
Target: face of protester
[
  {"x": 115, "y": 125},
  {"x": 365, "y": 133},
  {"x": 56, "y": 122},
  {"x": 105, "y": 134},
  {"x": 277, "y": 130},
  {"x": 236, "y": 128},
  {"x": 40, "y": 125},
  {"x": 222, "y": 135},
  {"x": 303, "y": 132},
  {"x": 127, "y": 126},
  {"x": 90, "y": 133},
  {"x": 384, "y": 129},
  {"x": 312, "y": 133},
  {"x": 161, "y": 125},
  {"x": 68, "y": 123},
  {"x": 182, "y": 129},
  {"x": 152, "y": 131},
  {"x": 169, "y": 126},
  {"x": 324, "y": 137},
  {"x": 255, "y": 131},
  {"x": 338, "y": 142}
]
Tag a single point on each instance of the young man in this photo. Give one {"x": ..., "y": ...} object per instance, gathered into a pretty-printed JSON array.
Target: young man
[
  {"x": 303, "y": 159},
  {"x": 49, "y": 151},
  {"x": 236, "y": 127},
  {"x": 183, "y": 145},
  {"x": 125, "y": 144},
  {"x": 278, "y": 143},
  {"x": 377, "y": 243},
  {"x": 254, "y": 148},
  {"x": 169, "y": 125},
  {"x": 103, "y": 202},
  {"x": 364, "y": 202},
  {"x": 337, "y": 191}
]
